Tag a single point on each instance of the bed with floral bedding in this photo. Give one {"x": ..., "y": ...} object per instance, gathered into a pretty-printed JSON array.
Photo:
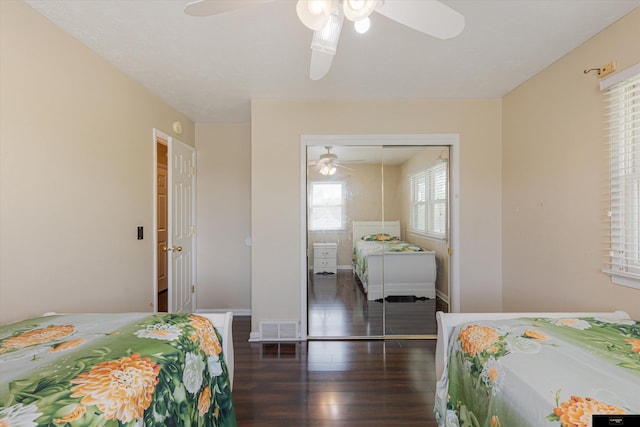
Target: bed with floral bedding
[
  {"x": 388, "y": 266},
  {"x": 537, "y": 370},
  {"x": 125, "y": 369}
]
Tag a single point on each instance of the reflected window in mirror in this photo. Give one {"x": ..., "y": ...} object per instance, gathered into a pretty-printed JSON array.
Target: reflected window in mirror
[
  {"x": 326, "y": 206},
  {"x": 428, "y": 189}
]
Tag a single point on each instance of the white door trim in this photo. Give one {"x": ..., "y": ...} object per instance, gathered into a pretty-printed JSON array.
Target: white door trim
[{"x": 451, "y": 140}]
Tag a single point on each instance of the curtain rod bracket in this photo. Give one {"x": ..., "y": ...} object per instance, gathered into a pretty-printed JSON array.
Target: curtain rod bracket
[
  {"x": 592, "y": 69},
  {"x": 604, "y": 70}
]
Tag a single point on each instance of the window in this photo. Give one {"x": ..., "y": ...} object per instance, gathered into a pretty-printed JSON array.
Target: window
[
  {"x": 326, "y": 206},
  {"x": 428, "y": 203},
  {"x": 623, "y": 113}
]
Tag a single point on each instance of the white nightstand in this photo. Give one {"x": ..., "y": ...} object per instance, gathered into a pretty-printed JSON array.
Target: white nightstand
[{"x": 325, "y": 258}]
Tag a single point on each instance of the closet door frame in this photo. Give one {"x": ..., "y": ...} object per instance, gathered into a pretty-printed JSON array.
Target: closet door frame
[{"x": 450, "y": 140}]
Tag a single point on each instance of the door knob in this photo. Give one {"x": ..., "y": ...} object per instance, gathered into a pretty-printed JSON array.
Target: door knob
[
  {"x": 177, "y": 248},
  {"x": 165, "y": 248}
]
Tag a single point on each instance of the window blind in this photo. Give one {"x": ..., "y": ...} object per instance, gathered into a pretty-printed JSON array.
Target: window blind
[
  {"x": 429, "y": 201},
  {"x": 623, "y": 131}
]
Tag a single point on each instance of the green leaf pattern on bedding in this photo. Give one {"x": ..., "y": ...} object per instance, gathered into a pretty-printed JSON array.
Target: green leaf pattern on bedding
[
  {"x": 161, "y": 369},
  {"x": 484, "y": 355},
  {"x": 379, "y": 237}
]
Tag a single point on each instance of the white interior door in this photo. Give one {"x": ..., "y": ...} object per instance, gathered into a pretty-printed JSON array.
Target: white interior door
[{"x": 181, "y": 246}]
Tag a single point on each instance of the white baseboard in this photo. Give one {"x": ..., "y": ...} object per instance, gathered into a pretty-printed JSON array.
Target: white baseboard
[
  {"x": 339, "y": 267},
  {"x": 235, "y": 311},
  {"x": 255, "y": 337}
]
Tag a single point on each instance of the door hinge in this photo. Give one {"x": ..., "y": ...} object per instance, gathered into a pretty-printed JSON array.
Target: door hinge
[
  {"x": 450, "y": 250},
  {"x": 193, "y": 170},
  {"x": 193, "y": 289},
  {"x": 193, "y": 229}
]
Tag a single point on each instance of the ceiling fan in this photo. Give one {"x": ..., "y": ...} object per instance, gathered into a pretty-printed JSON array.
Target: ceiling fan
[
  {"x": 325, "y": 18},
  {"x": 328, "y": 163}
]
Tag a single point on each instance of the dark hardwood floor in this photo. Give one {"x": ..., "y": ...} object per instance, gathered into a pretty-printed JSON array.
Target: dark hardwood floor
[
  {"x": 338, "y": 307},
  {"x": 333, "y": 383}
]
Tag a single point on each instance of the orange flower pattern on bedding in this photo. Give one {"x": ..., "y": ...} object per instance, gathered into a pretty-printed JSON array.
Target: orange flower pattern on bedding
[
  {"x": 209, "y": 342},
  {"x": 204, "y": 401},
  {"x": 635, "y": 345},
  {"x": 121, "y": 389},
  {"x": 475, "y": 339},
  {"x": 536, "y": 335},
  {"x": 67, "y": 345},
  {"x": 577, "y": 411},
  {"x": 36, "y": 336},
  {"x": 75, "y": 415}
]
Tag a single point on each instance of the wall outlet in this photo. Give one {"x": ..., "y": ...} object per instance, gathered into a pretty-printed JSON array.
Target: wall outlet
[{"x": 607, "y": 69}]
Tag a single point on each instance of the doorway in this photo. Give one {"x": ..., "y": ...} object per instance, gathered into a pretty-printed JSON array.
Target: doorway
[
  {"x": 162, "y": 218},
  {"x": 371, "y": 184},
  {"x": 173, "y": 225}
]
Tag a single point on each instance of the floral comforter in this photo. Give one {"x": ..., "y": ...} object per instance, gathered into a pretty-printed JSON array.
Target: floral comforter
[
  {"x": 127, "y": 369},
  {"x": 540, "y": 372},
  {"x": 364, "y": 248}
]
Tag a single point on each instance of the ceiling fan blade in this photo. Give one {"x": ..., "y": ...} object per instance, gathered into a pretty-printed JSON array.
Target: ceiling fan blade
[
  {"x": 340, "y": 165},
  {"x": 320, "y": 64},
  {"x": 427, "y": 16},
  {"x": 214, "y": 7},
  {"x": 322, "y": 162}
]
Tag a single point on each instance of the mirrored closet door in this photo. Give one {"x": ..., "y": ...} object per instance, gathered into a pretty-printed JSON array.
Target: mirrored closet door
[
  {"x": 416, "y": 257},
  {"x": 376, "y": 240},
  {"x": 343, "y": 184}
]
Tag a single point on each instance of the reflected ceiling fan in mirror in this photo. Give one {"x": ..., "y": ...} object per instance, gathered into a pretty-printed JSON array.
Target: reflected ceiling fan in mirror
[
  {"x": 328, "y": 163},
  {"x": 325, "y": 18}
]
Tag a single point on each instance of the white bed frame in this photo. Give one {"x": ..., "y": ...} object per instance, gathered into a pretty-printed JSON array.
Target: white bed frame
[
  {"x": 404, "y": 273},
  {"x": 448, "y": 321},
  {"x": 223, "y": 323}
]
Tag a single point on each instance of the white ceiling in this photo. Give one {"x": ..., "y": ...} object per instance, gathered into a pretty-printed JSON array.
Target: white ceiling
[
  {"x": 371, "y": 154},
  {"x": 210, "y": 68}
]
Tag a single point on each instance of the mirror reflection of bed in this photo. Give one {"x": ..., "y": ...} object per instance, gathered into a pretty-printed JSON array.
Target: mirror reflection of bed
[{"x": 400, "y": 296}]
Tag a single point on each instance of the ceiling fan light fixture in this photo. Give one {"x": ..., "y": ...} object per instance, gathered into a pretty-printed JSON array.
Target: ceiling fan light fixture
[
  {"x": 363, "y": 25},
  {"x": 355, "y": 10},
  {"x": 314, "y": 14},
  {"x": 325, "y": 162},
  {"x": 327, "y": 170},
  {"x": 326, "y": 40}
]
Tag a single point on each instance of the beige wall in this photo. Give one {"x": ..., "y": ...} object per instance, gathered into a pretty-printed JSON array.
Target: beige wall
[
  {"x": 76, "y": 174},
  {"x": 555, "y": 183},
  {"x": 224, "y": 216},
  {"x": 275, "y": 193}
]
